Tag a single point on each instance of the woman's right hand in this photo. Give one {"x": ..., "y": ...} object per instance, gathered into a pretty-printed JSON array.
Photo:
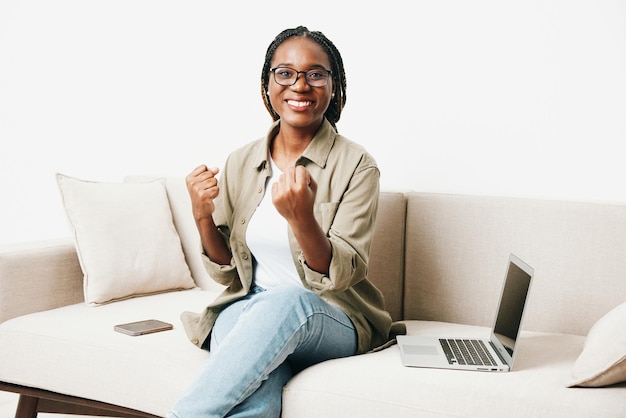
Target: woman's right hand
[{"x": 203, "y": 189}]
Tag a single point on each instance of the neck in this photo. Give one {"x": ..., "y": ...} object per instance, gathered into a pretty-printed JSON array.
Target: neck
[
  {"x": 286, "y": 150},
  {"x": 289, "y": 144}
]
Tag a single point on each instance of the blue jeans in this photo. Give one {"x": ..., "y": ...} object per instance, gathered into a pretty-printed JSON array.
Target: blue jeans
[{"x": 257, "y": 344}]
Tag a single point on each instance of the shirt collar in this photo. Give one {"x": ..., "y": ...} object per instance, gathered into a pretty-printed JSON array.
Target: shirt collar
[{"x": 317, "y": 151}]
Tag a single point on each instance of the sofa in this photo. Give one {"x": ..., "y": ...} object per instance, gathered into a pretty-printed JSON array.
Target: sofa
[{"x": 439, "y": 260}]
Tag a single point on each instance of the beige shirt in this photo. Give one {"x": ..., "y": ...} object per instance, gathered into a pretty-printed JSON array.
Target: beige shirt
[{"x": 345, "y": 207}]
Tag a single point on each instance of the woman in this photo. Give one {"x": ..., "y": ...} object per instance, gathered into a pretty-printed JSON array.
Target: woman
[{"x": 288, "y": 231}]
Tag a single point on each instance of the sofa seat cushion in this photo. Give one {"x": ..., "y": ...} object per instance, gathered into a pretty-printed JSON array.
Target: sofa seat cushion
[
  {"x": 377, "y": 385},
  {"x": 74, "y": 350}
]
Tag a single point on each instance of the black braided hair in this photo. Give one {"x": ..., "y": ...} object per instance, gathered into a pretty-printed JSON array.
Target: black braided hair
[{"x": 337, "y": 103}]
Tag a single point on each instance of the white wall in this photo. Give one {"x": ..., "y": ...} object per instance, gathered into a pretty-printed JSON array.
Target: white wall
[{"x": 522, "y": 98}]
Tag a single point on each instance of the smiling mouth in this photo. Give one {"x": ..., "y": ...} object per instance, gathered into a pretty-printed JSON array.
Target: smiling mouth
[{"x": 299, "y": 104}]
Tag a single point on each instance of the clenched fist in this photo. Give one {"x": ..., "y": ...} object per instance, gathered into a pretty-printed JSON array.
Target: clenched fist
[
  {"x": 293, "y": 194},
  {"x": 203, "y": 189}
]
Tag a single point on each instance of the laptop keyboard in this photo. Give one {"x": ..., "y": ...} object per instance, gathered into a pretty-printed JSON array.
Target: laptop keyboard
[{"x": 467, "y": 352}]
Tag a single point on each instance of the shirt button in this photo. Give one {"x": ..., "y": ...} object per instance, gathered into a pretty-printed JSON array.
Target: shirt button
[
  {"x": 195, "y": 341},
  {"x": 260, "y": 189},
  {"x": 242, "y": 221},
  {"x": 244, "y": 256}
]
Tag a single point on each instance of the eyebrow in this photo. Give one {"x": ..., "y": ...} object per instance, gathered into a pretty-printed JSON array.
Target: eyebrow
[{"x": 312, "y": 67}]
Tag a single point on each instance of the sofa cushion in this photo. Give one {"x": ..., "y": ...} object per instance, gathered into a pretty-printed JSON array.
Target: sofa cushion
[
  {"x": 387, "y": 251},
  {"x": 74, "y": 350},
  {"x": 456, "y": 246},
  {"x": 376, "y": 385},
  {"x": 603, "y": 359},
  {"x": 125, "y": 239}
]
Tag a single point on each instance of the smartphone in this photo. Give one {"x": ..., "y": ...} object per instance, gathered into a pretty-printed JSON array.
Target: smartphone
[{"x": 147, "y": 326}]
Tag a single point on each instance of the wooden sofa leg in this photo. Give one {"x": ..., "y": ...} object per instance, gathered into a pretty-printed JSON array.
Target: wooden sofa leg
[{"x": 27, "y": 407}]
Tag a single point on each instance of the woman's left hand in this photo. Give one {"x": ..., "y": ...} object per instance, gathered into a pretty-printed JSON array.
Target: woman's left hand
[{"x": 293, "y": 195}]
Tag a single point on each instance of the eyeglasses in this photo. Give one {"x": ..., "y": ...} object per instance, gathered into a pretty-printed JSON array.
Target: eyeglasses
[{"x": 316, "y": 77}]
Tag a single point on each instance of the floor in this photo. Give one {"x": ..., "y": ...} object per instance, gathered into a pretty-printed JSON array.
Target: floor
[{"x": 8, "y": 404}]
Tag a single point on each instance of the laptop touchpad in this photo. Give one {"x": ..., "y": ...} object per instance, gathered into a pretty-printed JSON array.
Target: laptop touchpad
[{"x": 420, "y": 350}]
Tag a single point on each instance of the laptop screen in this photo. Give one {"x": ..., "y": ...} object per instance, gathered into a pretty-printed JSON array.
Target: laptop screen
[{"x": 511, "y": 309}]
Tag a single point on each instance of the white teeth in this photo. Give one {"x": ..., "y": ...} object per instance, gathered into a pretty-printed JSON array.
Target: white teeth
[{"x": 298, "y": 104}]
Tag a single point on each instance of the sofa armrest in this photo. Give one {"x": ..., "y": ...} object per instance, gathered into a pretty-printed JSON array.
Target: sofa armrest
[{"x": 38, "y": 276}]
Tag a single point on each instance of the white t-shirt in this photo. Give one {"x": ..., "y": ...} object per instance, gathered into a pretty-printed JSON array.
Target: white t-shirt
[{"x": 268, "y": 241}]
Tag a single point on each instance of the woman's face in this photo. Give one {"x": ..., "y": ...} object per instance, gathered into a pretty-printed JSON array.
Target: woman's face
[{"x": 300, "y": 106}]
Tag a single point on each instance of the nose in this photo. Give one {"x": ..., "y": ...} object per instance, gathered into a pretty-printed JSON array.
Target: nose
[{"x": 300, "y": 82}]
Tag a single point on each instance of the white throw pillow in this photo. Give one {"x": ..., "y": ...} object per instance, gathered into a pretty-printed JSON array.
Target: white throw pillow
[
  {"x": 125, "y": 239},
  {"x": 603, "y": 360}
]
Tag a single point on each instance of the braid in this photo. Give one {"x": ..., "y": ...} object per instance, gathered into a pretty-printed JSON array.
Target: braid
[{"x": 337, "y": 103}]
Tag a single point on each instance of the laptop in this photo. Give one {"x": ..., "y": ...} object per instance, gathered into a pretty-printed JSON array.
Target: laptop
[{"x": 493, "y": 354}]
